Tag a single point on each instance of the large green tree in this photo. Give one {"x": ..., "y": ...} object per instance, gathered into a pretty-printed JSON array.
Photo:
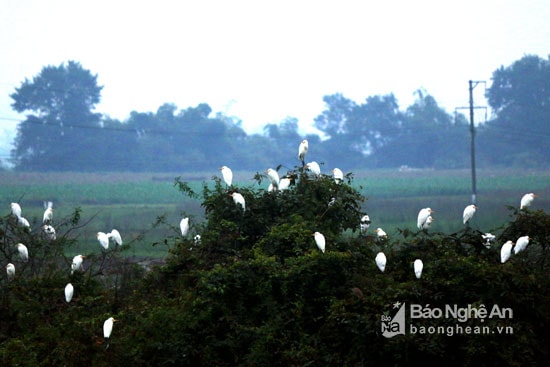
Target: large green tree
[
  {"x": 520, "y": 98},
  {"x": 58, "y": 131}
]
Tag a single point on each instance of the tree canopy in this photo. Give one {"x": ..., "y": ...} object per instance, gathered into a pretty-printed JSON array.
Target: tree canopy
[{"x": 62, "y": 132}]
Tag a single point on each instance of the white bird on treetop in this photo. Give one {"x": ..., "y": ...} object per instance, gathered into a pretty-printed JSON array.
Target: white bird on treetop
[
  {"x": 10, "y": 270},
  {"x": 418, "y": 266},
  {"x": 77, "y": 263},
  {"x": 380, "y": 232},
  {"x": 16, "y": 209},
  {"x": 364, "y": 224},
  {"x": 381, "y": 261},
  {"x": 527, "y": 200},
  {"x": 227, "y": 175},
  {"x": 23, "y": 252},
  {"x": 184, "y": 226},
  {"x": 274, "y": 177},
  {"x": 428, "y": 222},
  {"x": 521, "y": 244},
  {"x": 302, "y": 150},
  {"x": 314, "y": 168},
  {"x": 238, "y": 199},
  {"x": 423, "y": 215},
  {"x": 115, "y": 236},
  {"x": 488, "y": 237},
  {"x": 108, "y": 327},
  {"x": 49, "y": 232},
  {"x": 506, "y": 251},
  {"x": 338, "y": 175},
  {"x": 48, "y": 212},
  {"x": 24, "y": 222},
  {"x": 69, "y": 291},
  {"x": 468, "y": 213},
  {"x": 320, "y": 241},
  {"x": 284, "y": 183},
  {"x": 103, "y": 239}
]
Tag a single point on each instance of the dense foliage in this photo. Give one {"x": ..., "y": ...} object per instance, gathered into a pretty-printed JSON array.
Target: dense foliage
[
  {"x": 255, "y": 290},
  {"x": 61, "y": 132}
]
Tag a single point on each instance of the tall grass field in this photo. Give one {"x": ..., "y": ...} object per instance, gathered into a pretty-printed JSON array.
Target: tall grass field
[{"x": 132, "y": 202}]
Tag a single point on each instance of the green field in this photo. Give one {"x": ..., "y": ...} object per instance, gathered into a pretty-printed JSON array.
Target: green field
[{"x": 131, "y": 202}]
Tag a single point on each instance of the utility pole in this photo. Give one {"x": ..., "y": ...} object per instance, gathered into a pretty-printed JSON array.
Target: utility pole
[{"x": 472, "y": 84}]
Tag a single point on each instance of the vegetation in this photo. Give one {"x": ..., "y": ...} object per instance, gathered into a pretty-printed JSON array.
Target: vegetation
[
  {"x": 257, "y": 291},
  {"x": 61, "y": 132}
]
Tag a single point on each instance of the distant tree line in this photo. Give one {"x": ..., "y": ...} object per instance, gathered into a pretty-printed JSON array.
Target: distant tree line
[{"x": 62, "y": 133}]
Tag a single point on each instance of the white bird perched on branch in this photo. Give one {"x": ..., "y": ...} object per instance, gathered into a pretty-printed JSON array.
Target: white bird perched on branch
[
  {"x": 314, "y": 168},
  {"x": 24, "y": 222},
  {"x": 302, "y": 150},
  {"x": 238, "y": 199},
  {"x": 521, "y": 244},
  {"x": 488, "y": 237},
  {"x": 115, "y": 236},
  {"x": 108, "y": 327},
  {"x": 468, "y": 213},
  {"x": 338, "y": 175},
  {"x": 10, "y": 270},
  {"x": 418, "y": 266},
  {"x": 527, "y": 200},
  {"x": 381, "y": 234},
  {"x": 77, "y": 263},
  {"x": 364, "y": 224},
  {"x": 284, "y": 183},
  {"x": 320, "y": 241},
  {"x": 69, "y": 291},
  {"x": 49, "y": 232},
  {"x": 103, "y": 239},
  {"x": 23, "y": 252},
  {"x": 16, "y": 209},
  {"x": 381, "y": 261},
  {"x": 274, "y": 177},
  {"x": 48, "y": 212},
  {"x": 227, "y": 175},
  {"x": 423, "y": 215},
  {"x": 506, "y": 251},
  {"x": 184, "y": 226}
]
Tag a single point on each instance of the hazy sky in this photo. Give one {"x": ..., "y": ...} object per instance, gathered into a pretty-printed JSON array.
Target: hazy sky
[{"x": 262, "y": 61}]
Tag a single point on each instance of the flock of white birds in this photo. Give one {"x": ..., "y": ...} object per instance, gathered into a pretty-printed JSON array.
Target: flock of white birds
[
  {"x": 424, "y": 222},
  {"x": 50, "y": 234}
]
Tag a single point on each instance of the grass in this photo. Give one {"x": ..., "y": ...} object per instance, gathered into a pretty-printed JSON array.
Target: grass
[{"x": 131, "y": 202}]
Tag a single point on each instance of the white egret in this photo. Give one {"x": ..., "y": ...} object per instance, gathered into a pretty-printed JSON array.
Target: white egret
[
  {"x": 314, "y": 168},
  {"x": 521, "y": 244},
  {"x": 284, "y": 183},
  {"x": 274, "y": 177},
  {"x": 468, "y": 213},
  {"x": 16, "y": 209},
  {"x": 418, "y": 266},
  {"x": 69, "y": 291},
  {"x": 197, "y": 239},
  {"x": 320, "y": 241},
  {"x": 238, "y": 199},
  {"x": 302, "y": 150},
  {"x": 527, "y": 200},
  {"x": 108, "y": 327},
  {"x": 506, "y": 251},
  {"x": 48, "y": 212},
  {"x": 24, "y": 222},
  {"x": 365, "y": 224},
  {"x": 380, "y": 232},
  {"x": 115, "y": 236},
  {"x": 381, "y": 261},
  {"x": 423, "y": 215},
  {"x": 49, "y": 232},
  {"x": 338, "y": 175},
  {"x": 488, "y": 237},
  {"x": 23, "y": 252},
  {"x": 77, "y": 263},
  {"x": 103, "y": 239},
  {"x": 184, "y": 226},
  {"x": 428, "y": 223},
  {"x": 227, "y": 175},
  {"x": 10, "y": 270}
]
